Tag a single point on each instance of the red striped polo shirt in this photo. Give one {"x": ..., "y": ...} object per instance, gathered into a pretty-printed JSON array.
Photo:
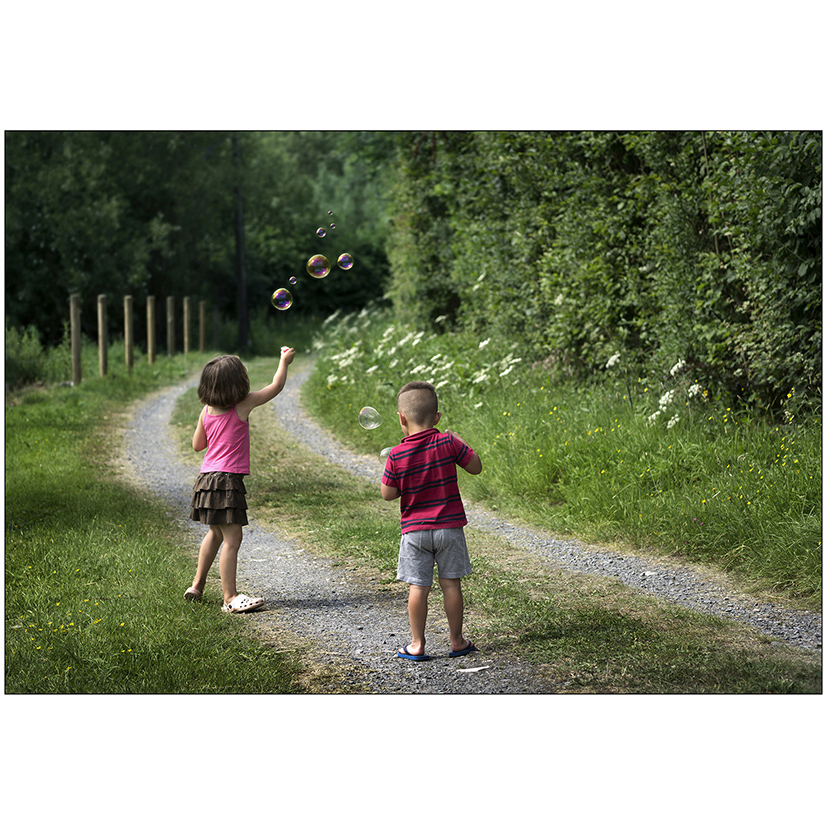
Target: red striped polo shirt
[{"x": 423, "y": 468}]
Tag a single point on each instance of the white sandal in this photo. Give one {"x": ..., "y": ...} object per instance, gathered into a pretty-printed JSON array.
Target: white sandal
[
  {"x": 242, "y": 603},
  {"x": 192, "y": 594}
]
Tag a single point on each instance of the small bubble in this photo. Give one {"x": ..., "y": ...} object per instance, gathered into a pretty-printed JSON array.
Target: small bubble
[
  {"x": 292, "y": 279},
  {"x": 345, "y": 261},
  {"x": 318, "y": 266},
  {"x": 281, "y": 299},
  {"x": 332, "y": 226},
  {"x": 330, "y": 212},
  {"x": 320, "y": 232},
  {"x": 369, "y": 418}
]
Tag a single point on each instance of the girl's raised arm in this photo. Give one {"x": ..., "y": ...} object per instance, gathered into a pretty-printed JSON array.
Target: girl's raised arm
[{"x": 271, "y": 391}]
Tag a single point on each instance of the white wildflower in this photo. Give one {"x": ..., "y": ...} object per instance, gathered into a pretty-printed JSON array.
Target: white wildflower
[
  {"x": 673, "y": 421},
  {"x": 613, "y": 360},
  {"x": 559, "y": 300},
  {"x": 479, "y": 404},
  {"x": 694, "y": 390},
  {"x": 394, "y": 363},
  {"x": 677, "y": 367},
  {"x": 371, "y": 369},
  {"x": 419, "y": 368},
  {"x": 483, "y": 343},
  {"x": 439, "y": 319},
  {"x": 442, "y": 384},
  {"x": 654, "y": 416},
  {"x": 666, "y": 399},
  {"x": 507, "y": 370}
]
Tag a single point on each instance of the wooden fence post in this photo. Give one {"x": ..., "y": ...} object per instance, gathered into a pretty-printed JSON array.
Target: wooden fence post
[
  {"x": 187, "y": 323},
  {"x": 74, "y": 324},
  {"x": 103, "y": 338},
  {"x": 171, "y": 325},
  {"x": 128, "y": 333},
  {"x": 202, "y": 324},
  {"x": 150, "y": 330}
]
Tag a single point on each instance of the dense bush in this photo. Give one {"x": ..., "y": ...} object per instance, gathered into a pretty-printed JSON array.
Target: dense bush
[
  {"x": 27, "y": 361},
  {"x": 673, "y": 246}
]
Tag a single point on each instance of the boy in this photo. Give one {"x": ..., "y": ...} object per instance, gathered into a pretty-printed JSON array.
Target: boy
[{"x": 421, "y": 471}]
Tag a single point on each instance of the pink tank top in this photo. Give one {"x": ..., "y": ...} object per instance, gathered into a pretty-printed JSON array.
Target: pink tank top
[{"x": 228, "y": 444}]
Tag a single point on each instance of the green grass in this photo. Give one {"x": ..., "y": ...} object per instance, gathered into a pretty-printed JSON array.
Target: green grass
[
  {"x": 583, "y": 634},
  {"x": 94, "y": 574},
  {"x": 652, "y": 463}
]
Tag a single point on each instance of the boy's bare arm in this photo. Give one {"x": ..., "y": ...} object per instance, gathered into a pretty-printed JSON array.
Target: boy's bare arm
[
  {"x": 475, "y": 464},
  {"x": 389, "y": 493}
]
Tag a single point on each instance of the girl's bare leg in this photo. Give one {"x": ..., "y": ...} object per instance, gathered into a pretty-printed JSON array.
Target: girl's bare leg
[
  {"x": 228, "y": 562},
  {"x": 206, "y": 555}
]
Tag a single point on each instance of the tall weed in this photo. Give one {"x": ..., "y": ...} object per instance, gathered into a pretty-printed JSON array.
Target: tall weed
[{"x": 650, "y": 461}]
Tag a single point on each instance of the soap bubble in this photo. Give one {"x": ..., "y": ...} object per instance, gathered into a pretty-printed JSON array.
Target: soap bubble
[
  {"x": 330, "y": 212},
  {"x": 345, "y": 261},
  {"x": 332, "y": 226},
  {"x": 318, "y": 266},
  {"x": 369, "y": 418},
  {"x": 385, "y": 453},
  {"x": 292, "y": 279},
  {"x": 281, "y": 299},
  {"x": 320, "y": 232}
]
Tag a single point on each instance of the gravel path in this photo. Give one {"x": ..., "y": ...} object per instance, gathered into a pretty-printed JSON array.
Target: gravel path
[{"x": 352, "y": 627}]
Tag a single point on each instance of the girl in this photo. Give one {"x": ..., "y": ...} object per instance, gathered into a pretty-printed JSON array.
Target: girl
[{"x": 219, "y": 496}]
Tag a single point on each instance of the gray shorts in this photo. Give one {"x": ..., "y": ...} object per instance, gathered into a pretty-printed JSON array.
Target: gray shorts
[{"x": 419, "y": 550}]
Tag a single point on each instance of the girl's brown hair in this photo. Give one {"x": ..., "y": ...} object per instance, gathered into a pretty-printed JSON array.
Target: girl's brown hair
[{"x": 224, "y": 382}]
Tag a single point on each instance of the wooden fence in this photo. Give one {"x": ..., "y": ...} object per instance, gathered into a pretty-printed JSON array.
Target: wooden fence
[{"x": 129, "y": 330}]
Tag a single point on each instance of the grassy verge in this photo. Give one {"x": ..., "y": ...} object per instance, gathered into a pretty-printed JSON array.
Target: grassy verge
[
  {"x": 94, "y": 573},
  {"x": 650, "y": 462},
  {"x": 583, "y": 634}
]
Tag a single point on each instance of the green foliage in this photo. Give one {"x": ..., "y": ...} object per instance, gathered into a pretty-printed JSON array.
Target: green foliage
[
  {"x": 94, "y": 575},
  {"x": 651, "y": 459},
  {"x": 154, "y": 213},
  {"x": 28, "y": 361},
  {"x": 662, "y": 246}
]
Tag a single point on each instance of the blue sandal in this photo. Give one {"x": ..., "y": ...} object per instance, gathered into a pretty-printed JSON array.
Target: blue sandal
[
  {"x": 404, "y": 653},
  {"x": 467, "y": 651}
]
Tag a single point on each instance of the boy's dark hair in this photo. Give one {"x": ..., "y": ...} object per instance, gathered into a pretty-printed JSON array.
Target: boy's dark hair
[
  {"x": 420, "y": 403},
  {"x": 224, "y": 382}
]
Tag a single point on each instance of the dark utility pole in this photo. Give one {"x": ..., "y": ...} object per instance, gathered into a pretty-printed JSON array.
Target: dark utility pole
[{"x": 240, "y": 268}]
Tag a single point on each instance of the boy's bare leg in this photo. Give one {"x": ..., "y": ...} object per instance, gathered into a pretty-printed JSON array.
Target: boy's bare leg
[
  {"x": 454, "y": 610},
  {"x": 417, "y": 615}
]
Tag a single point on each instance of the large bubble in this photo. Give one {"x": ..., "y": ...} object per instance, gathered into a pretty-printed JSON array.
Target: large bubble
[
  {"x": 369, "y": 418},
  {"x": 281, "y": 299},
  {"x": 345, "y": 261},
  {"x": 385, "y": 453},
  {"x": 318, "y": 266}
]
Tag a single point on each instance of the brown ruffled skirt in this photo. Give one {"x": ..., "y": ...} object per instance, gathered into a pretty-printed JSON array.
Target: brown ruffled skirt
[{"x": 219, "y": 498}]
